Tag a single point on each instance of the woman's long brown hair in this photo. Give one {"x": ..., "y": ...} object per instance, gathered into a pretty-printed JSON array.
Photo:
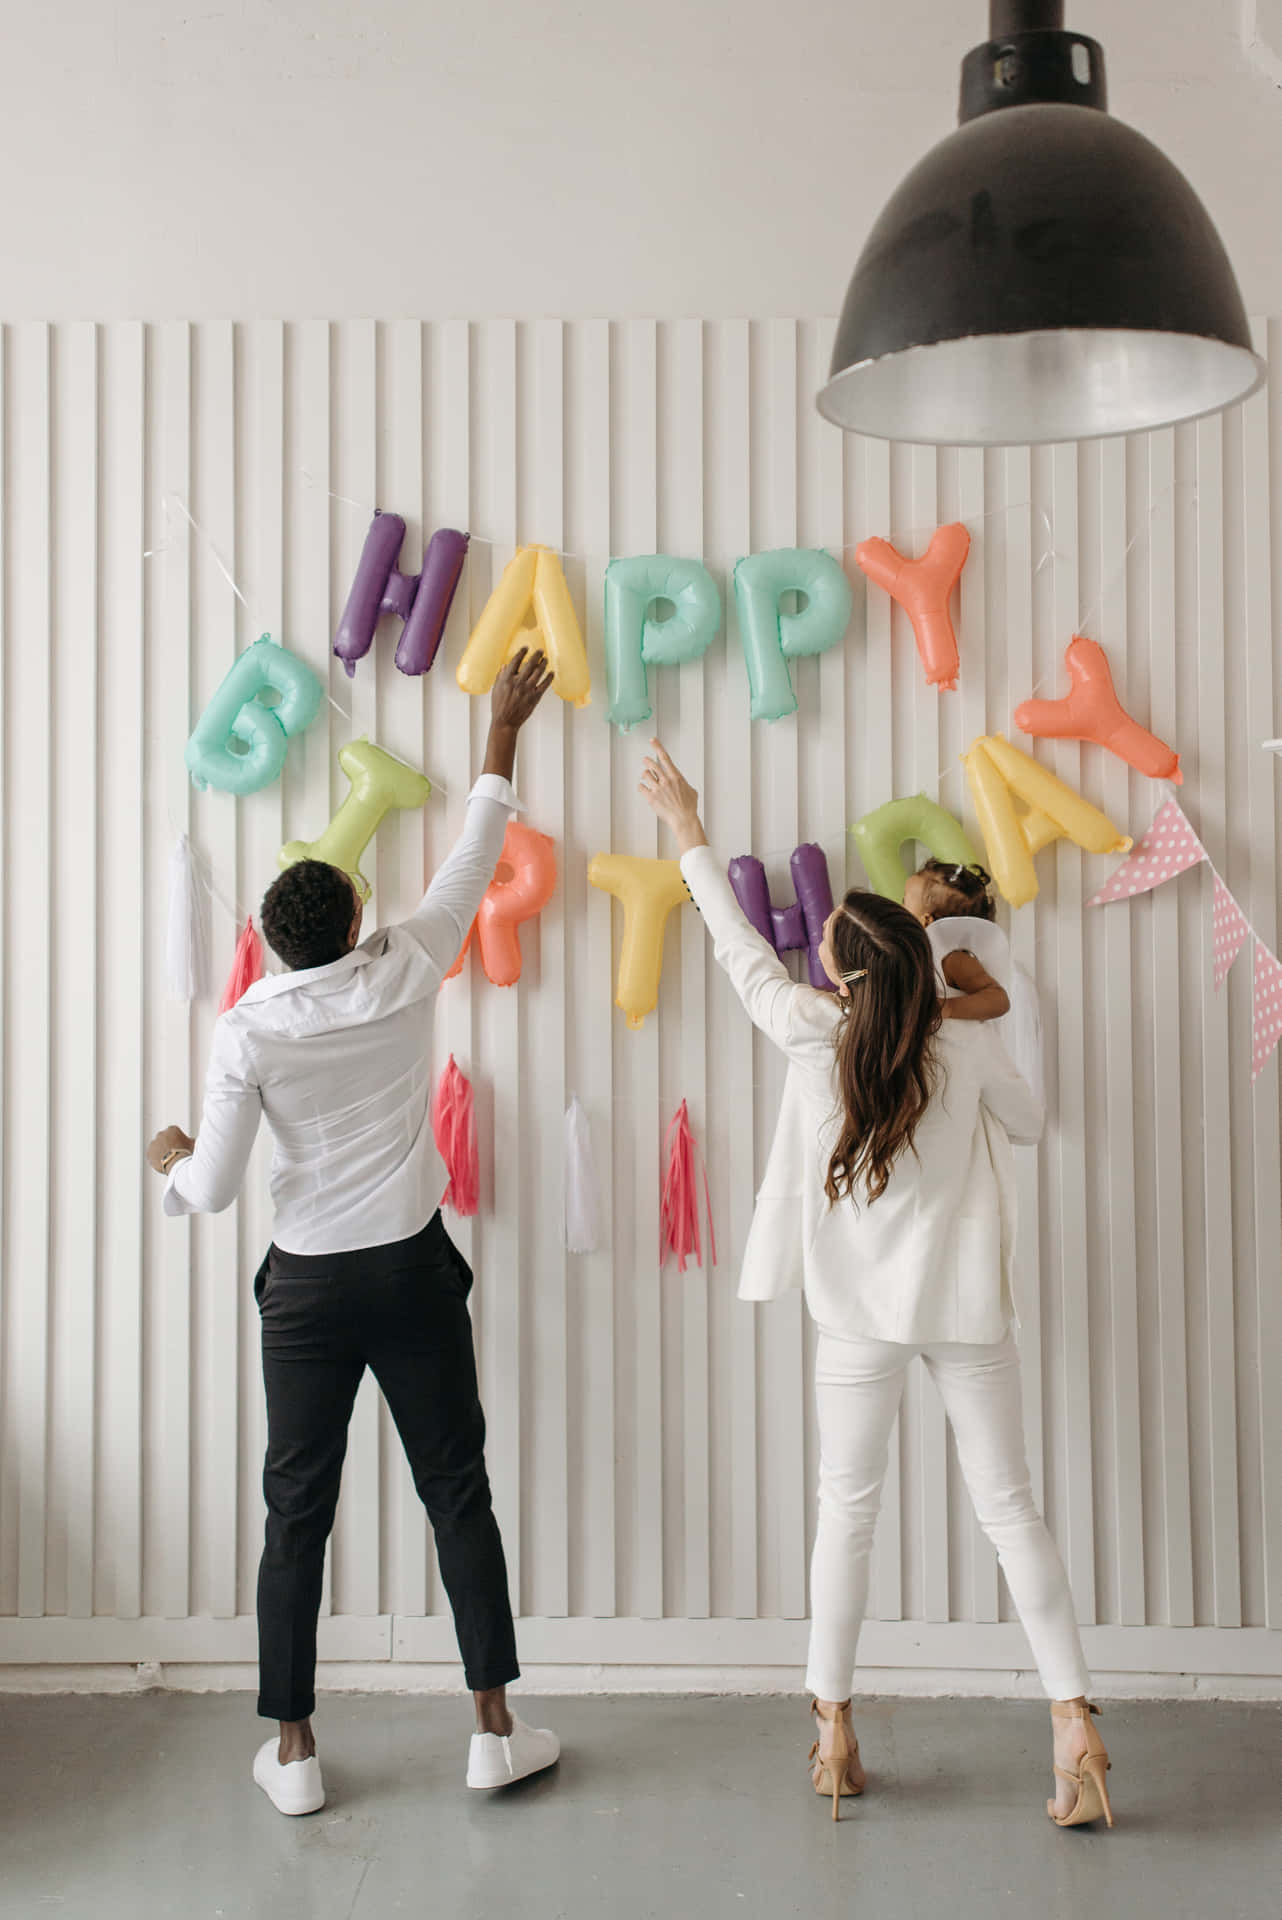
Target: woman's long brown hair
[{"x": 885, "y": 1056}]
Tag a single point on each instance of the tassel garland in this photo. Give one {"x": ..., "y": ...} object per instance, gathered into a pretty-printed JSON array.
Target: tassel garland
[
  {"x": 186, "y": 951},
  {"x": 679, "y": 1203},
  {"x": 246, "y": 966},
  {"x": 454, "y": 1126},
  {"x": 582, "y": 1189}
]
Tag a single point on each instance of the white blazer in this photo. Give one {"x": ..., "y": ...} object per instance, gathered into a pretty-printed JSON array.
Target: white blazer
[{"x": 932, "y": 1259}]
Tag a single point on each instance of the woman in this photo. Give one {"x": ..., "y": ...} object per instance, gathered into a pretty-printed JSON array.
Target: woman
[{"x": 894, "y": 1155}]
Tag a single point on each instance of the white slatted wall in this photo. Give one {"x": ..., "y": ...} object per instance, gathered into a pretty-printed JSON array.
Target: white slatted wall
[{"x": 651, "y": 1439}]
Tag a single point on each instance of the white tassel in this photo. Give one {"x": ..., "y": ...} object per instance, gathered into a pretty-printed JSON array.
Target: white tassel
[
  {"x": 187, "y": 951},
  {"x": 582, "y": 1191}
]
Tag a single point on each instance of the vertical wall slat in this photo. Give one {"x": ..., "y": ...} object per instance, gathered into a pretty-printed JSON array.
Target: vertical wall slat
[
  {"x": 1217, "y": 1298},
  {"x": 173, "y": 1091},
  {"x": 598, "y": 1435},
  {"x": 29, "y": 878},
  {"x": 499, "y": 1079},
  {"x": 74, "y": 1199},
  {"x": 542, "y": 774},
  {"x": 120, "y": 1112}
]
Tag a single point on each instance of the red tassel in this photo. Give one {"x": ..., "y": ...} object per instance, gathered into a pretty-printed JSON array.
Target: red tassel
[
  {"x": 454, "y": 1125},
  {"x": 246, "y": 966},
  {"x": 679, "y": 1204}
]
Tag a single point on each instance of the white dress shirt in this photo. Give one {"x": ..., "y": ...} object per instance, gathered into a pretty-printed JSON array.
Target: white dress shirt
[
  {"x": 339, "y": 1060},
  {"x": 931, "y": 1260}
]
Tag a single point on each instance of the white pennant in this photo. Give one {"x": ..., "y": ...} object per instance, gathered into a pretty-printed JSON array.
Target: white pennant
[
  {"x": 187, "y": 946},
  {"x": 582, "y": 1190}
]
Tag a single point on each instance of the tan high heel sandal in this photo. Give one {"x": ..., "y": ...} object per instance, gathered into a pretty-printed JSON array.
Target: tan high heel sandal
[
  {"x": 1092, "y": 1792},
  {"x": 834, "y": 1773}
]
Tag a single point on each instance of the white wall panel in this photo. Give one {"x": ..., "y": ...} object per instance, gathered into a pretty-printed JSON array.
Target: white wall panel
[{"x": 652, "y": 1441}]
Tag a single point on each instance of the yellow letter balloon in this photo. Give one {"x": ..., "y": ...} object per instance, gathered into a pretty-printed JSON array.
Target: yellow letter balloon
[
  {"x": 530, "y": 607},
  {"x": 379, "y": 783},
  {"x": 647, "y": 890},
  {"x": 999, "y": 774}
]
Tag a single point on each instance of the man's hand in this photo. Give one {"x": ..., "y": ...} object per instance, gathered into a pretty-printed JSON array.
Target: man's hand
[
  {"x": 517, "y": 692},
  {"x": 173, "y": 1138},
  {"x": 519, "y": 688}
]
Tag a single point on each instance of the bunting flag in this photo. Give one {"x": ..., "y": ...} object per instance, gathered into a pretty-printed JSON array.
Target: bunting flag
[
  {"x": 1169, "y": 847},
  {"x": 1267, "y": 1025},
  {"x": 1229, "y": 928}
]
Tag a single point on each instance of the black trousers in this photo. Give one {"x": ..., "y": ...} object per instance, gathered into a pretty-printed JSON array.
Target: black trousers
[{"x": 402, "y": 1311}]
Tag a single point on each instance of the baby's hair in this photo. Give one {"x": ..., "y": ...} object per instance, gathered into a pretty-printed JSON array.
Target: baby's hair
[{"x": 957, "y": 891}]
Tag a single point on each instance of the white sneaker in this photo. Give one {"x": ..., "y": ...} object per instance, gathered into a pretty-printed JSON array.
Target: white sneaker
[
  {"x": 294, "y": 1788},
  {"x": 496, "y": 1759}
]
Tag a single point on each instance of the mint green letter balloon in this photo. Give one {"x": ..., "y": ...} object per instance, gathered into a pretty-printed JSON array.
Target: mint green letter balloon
[
  {"x": 881, "y": 834},
  {"x": 771, "y": 638},
  {"x": 237, "y": 713},
  {"x": 635, "y": 641}
]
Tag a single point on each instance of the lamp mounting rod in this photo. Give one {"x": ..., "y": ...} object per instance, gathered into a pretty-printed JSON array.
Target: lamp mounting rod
[{"x": 1006, "y": 17}]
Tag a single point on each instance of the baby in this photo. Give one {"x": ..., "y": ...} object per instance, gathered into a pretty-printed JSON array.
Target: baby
[{"x": 938, "y": 891}]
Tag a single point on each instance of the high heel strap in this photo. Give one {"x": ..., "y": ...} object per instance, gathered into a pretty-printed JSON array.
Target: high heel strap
[{"x": 1064, "y": 1710}]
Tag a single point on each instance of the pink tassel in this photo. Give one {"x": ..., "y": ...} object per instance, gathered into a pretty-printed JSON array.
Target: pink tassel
[
  {"x": 679, "y": 1204},
  {"x": 454, "y": 1125},
  {"x": 246, "y": 966}
]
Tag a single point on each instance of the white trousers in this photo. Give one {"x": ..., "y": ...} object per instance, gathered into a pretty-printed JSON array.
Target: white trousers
[{"x": 859, "y": 1384}]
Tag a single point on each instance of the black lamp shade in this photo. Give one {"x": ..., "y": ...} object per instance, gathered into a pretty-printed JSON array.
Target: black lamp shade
[{"x": 1045, "y": 273}]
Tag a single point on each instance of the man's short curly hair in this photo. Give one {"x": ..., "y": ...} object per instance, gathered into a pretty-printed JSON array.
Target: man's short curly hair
[{"x": 307, "y": 914}]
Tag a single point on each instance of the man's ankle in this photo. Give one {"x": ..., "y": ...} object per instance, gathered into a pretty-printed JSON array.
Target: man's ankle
[{"x": 492, "y": 1715}]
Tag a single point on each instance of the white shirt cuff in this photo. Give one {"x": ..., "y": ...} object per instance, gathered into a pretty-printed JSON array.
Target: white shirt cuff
[
  {"x": 174, "y": 1202},
  {"x": 492, "y": 786}
]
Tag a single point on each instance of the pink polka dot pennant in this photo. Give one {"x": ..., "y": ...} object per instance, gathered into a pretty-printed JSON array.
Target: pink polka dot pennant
[
  {"x": 1169, "y": 847},
  {"x": 1229, "y": 929},
  {"x": 1267, "y": 1025}
]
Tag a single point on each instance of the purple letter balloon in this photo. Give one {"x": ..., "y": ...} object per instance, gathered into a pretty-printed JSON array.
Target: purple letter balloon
[
  {"x": 422, "y": 601},
  {"x": 802, "y": 924}
]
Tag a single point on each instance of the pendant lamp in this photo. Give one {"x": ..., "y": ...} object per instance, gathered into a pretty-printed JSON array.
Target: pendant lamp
[{"x": 1045, "y": 273}]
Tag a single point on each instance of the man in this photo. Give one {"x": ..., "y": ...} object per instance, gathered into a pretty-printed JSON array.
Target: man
[{"x": 361, "y": 1271}]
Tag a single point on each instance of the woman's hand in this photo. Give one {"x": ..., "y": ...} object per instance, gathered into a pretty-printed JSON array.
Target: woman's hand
[
  {"x": 172, "y": 1140},
  {"x": 673, "y": 799}
]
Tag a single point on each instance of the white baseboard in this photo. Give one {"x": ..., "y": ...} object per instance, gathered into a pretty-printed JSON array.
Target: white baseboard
[
  {"x": 404, "y": 1677},
  {"x": 415, "y": 1654}
]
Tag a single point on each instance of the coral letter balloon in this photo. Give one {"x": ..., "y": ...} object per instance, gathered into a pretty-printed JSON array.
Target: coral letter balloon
[
  {"x": 922, "y": 588},
  {"x": 524, "y": 881},
  {"x": 1092, "y": 711}
]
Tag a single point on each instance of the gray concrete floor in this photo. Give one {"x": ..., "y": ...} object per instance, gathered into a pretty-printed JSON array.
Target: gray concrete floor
[{"x": 143, "y": 1806}]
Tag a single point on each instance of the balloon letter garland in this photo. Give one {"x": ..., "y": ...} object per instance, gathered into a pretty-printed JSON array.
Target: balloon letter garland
[
  {"x": 800, "y": 925},
  {"x": 379, "y": 783},
  {"x": 422, "y": 600},
  {"x": 772, "y": 638},
  {"x": 922, "y": 588},
  {"x": 1092, "y": 711},
  {"x": 881, "y": 833},
  {"x": 635, "y": 641},
  {"x": 998, "y": 774},
  {"x": 237, "y": 712},
  {"x": 647, "y": 890},
  {"x": 532, "y": 580},
  {"x": 523, "y": 883}
]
